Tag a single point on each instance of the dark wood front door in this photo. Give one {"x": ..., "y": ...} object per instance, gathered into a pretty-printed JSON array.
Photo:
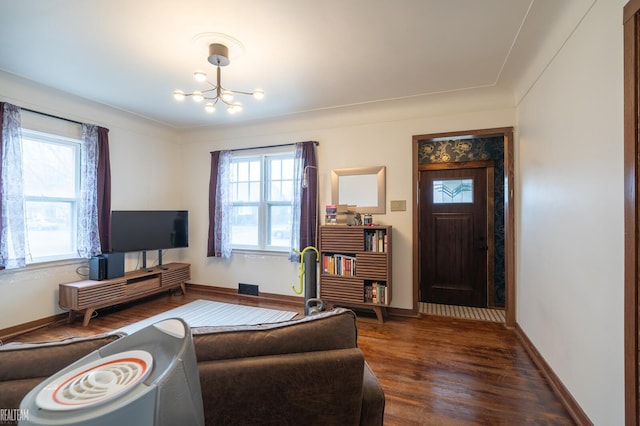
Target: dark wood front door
[{"x": 453, "y": 236}]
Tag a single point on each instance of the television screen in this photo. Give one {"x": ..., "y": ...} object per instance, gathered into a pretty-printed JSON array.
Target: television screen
[{"x": 140, "y": 230}]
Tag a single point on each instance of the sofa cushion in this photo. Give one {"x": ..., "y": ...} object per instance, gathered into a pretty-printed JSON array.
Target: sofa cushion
[
  {"x": 335, "y": 329},
  {"x": 322, "y": 388}
]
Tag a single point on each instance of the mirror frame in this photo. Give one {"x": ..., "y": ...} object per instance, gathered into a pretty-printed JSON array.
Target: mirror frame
[{"x": 379, "y": 171}]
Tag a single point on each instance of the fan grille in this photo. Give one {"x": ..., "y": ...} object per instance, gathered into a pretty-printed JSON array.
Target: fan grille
[{"x": 96, "y": 382}]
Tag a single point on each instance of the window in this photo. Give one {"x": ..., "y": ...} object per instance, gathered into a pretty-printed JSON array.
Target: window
[
  {"x": 51, "y": 174},
  {"x": 261, "y": 196},
  {"x": 52, "y": 171},
  {"x": 453, "y": 191}
]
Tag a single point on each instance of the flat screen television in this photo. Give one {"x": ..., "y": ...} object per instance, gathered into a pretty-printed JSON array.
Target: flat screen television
[{"x": 142, "y": 230}]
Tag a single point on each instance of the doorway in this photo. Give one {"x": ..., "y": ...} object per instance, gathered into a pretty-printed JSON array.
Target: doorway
[
  {"x": 464, "y": 276},
  {"x": 456, "y": 234}
]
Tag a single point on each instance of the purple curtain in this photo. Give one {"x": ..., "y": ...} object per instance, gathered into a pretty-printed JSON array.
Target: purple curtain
[
  {"x": 212, "y": 250},
  {"x": 104, "y": 190},
  {"x": 309, "y": 201}
]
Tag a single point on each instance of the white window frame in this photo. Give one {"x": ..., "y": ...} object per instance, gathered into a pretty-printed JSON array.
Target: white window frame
[
  {"x": 76, "y": 144},
  {"x": 264, "y": 205}
]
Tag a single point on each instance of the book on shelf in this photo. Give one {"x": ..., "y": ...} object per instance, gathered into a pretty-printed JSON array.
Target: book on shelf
[
  {"x": 339, "y": 264},
  {"x": 375, "y": 293},
  {"x": 376, "y": 241}
]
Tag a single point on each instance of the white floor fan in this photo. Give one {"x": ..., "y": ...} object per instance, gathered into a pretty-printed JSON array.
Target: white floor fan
[{"x": 147, "y": 378}]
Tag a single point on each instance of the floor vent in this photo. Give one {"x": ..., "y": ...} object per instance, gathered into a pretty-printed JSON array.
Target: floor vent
[{"x": 250, "y": 289}]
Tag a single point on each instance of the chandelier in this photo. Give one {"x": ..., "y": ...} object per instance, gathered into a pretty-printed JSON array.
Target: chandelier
[{"x": 218, "y": 56}]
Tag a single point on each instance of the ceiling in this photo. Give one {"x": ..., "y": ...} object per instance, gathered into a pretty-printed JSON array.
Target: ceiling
[{"x": 307, "y": 55}]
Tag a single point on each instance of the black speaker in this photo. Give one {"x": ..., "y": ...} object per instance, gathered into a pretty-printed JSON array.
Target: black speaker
[
  {"x": 115, "y": 265},
  {"x": 97, "y": 268}
]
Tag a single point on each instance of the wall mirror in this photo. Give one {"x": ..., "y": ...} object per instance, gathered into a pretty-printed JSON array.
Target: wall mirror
[{"x": 363, "y": 187}]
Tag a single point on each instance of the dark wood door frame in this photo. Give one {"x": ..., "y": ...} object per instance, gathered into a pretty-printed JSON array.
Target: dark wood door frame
[
  {"x": 631, "y": 21},
  {"x": 509, "y": 216}
]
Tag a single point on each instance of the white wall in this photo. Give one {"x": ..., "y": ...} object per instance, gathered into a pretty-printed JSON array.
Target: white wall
[
  {"x": 570, "y": 214},
  {"x": 144, "y": 176},
  {"x": 374, "y": 135}
]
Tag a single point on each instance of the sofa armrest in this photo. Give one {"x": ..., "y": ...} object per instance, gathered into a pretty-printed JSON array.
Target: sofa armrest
[
  {"x": 303, "y": 388},
  {"x": 372, "y": 399},
  {"x": 24, "y": 365}
]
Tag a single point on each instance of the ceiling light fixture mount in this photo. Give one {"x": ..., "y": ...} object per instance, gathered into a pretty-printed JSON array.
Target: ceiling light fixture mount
[{"x": 219, "y": 57}]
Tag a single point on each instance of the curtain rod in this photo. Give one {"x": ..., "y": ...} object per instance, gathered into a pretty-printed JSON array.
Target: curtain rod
[
  {"x": 267, "y": 146},
  {"x": 51, "y": 115}
]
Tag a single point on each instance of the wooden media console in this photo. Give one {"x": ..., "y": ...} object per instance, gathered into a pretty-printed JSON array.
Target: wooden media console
[{"x": 88, "y": 295}]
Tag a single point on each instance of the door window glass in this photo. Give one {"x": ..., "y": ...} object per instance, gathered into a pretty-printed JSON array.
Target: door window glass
[{"x": 453, "y": 191}]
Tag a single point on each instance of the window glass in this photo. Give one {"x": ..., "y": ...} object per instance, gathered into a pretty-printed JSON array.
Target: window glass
[
  {"x": 244, "y": 225},
  {"x": 42, "y": 161},
  {"x": 453, "y": 191},
  {"x": 51, "y": 174},
  {"x": 245, "y": 180},
  {"x": 50, "y": 229},
  {"x": 280, "y": 225}
]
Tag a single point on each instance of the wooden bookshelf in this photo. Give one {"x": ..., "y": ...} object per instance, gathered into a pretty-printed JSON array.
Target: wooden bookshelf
[{"x": 355, "y": 266}]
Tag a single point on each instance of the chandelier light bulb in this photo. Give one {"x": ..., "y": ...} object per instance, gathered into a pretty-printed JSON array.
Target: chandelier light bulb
[
  {"x": 178, "y": 95},
  {"x": 227, "y": 95},
  {"x": 233, "y": 108},
  {"x": 200, "y": 76},
  {"x": 258, "y": 94},
  {"x": 198, "y": 97},
  {"x": 210, "y": 107}
]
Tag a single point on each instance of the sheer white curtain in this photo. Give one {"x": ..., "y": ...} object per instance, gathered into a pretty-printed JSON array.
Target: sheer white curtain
[
  {"x": 12, "y": 217},
  {"x": 298, "y": 171},
  {"x": 219, "y": 244},
  {"x": 224, "y": 205},
  {"x": 305, "y": 199},
  {"x": 88, "y": 234}
]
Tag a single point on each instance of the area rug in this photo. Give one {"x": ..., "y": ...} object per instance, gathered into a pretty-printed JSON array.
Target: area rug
[
  {"x": 480, "y": 314},
  {"x": 208, "y": 313}
]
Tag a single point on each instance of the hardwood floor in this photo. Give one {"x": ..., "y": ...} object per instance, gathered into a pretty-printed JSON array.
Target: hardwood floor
[
  {"x": 444, "y": 371},
  {"x": 433, "y": 370}
]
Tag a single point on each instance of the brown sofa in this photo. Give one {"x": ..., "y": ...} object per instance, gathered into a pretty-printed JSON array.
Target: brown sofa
[{"x": 307, "y": 371}]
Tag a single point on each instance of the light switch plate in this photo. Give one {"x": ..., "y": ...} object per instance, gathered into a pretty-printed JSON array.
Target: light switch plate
[{"x": 398, "y": 205}]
